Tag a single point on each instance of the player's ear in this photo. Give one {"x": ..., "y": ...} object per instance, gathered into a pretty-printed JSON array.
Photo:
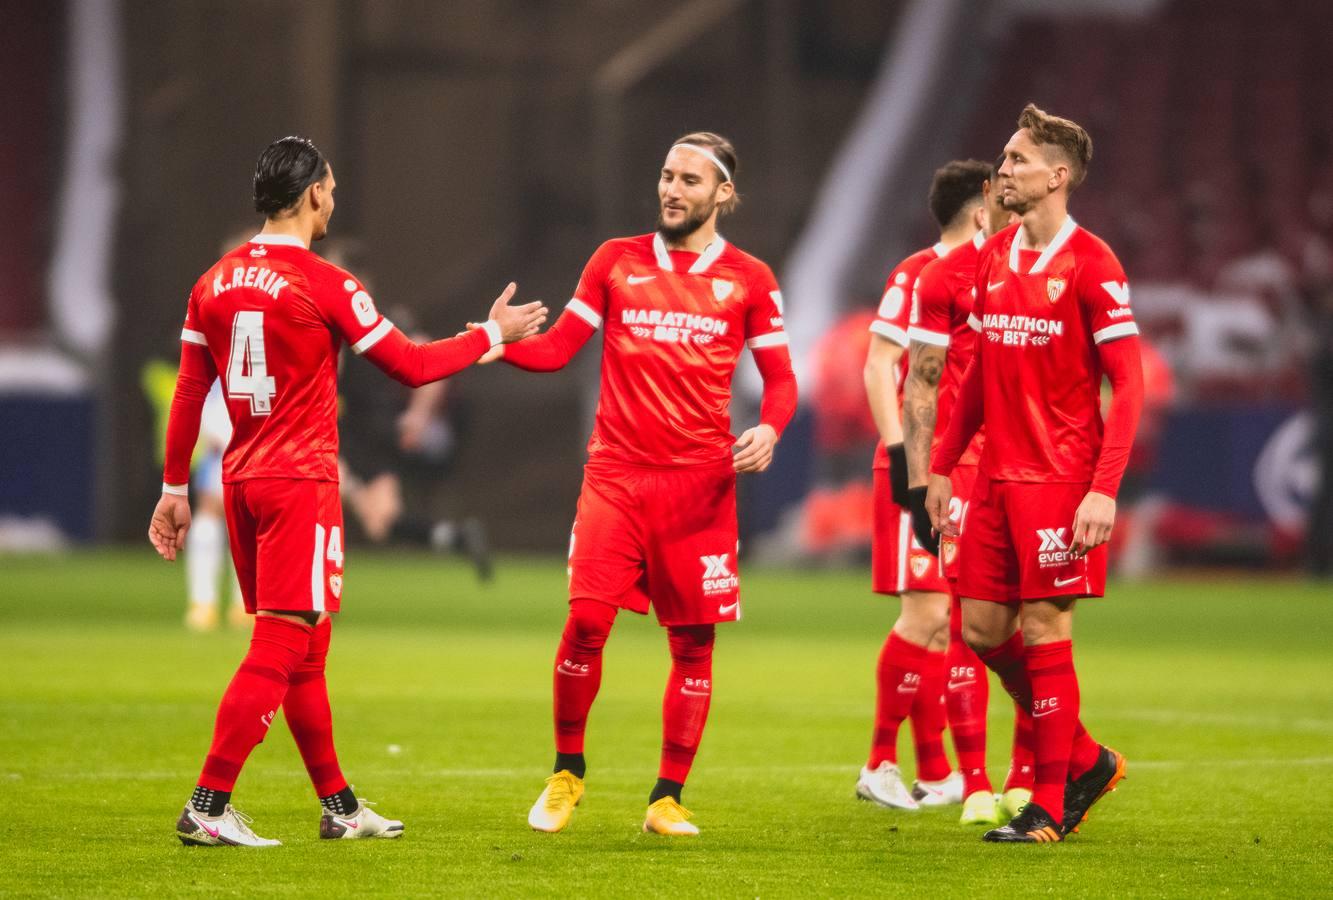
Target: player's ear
[{"x": 725, "y": 191}]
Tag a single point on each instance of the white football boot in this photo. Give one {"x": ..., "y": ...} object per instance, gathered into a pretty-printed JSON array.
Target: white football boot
[
  {"x": 939, "y": 793},
  {"x": 884, "y": 785},
  {"x": 231, "y": 829},
  {"x": 364, "y": 823}
]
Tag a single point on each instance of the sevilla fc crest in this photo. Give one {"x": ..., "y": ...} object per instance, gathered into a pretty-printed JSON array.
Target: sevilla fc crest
[
  {"x": 919, "y": 565},
  {"x": 336, "y": 584},
  {"x": 950, "y": 551},
  {"x": 1054, "y": 288},
  {"x": 722, "y": 289}
]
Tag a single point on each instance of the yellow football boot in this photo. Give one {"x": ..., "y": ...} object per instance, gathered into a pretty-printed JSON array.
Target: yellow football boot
[
  {"x": 553, "y": 808},
  {"x": 980, "y": 808},
  {"x": 1012, "y": 802},
  {"x": 666, "y": 816}
]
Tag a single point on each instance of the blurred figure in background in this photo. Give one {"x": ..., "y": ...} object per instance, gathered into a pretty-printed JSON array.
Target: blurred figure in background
[
  {"x": 206, "y": 542},
  {"x": 1320, "y": 534},
  {"x": 398, "y": 432}
]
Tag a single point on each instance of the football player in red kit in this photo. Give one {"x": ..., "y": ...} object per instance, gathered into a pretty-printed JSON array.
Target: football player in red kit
[
  {"x": 911, "y": 670},
  {"x": 1053, "y": 317},
  {"x": 942, "y": 344},
  {"x": 656, "y": 519},
  {"x": 270, "y": 317}
]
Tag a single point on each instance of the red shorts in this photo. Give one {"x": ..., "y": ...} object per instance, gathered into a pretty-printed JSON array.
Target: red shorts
[
  {"x": 664, "y": 537},
  {"x": 897, "y": 562},
  {"x": 1017, "y": 544},
  {"x": 963, "y": 480},
  {"x": 287, "y": 542}
]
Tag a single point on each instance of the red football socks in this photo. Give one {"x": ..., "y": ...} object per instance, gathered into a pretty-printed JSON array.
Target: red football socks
[
  {"x": 967, "y": 694},
  {"x": 252, "y": 698},
  {"x": 1055, "y": 718},
  {"x": 578, "y": 670},
  {"x": 688, "y": 692},
  {"x": 928, "y": 719},
  {"x": 901, "y": 664},
  {"x": 306, "y": 708},
  {"x": 1022, "y": 760}
]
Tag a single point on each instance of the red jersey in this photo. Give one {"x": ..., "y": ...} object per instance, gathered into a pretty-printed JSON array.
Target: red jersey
[
  {"x": 675, "y": 325},
  {"x": 273, "y": 316},
  {"x": 892, "y": 318},
  {"x": 941, "y": 307},
  {"x": 1041, "y": 316}
]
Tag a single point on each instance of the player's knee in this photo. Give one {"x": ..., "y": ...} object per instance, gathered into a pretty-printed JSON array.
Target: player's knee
[
  {"x": 691, "y": 645},
  {"x": 980, "y": 637},
  {"x": 589, "y": 625}
]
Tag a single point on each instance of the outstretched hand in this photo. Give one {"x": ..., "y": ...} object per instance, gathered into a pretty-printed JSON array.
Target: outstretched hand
[
  {"x": 170, "y": 522},
  {"x": 516, "y": 322}
]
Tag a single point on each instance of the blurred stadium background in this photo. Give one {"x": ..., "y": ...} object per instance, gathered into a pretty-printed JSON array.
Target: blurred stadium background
[{"x": 478, "y": 141}]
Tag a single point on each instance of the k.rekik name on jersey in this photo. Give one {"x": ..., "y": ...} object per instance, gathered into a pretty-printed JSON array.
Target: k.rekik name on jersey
[{"x": 258, "y": 277}]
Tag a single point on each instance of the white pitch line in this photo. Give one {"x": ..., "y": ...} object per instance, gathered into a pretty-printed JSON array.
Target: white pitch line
[{"x": 533, "y": 771}]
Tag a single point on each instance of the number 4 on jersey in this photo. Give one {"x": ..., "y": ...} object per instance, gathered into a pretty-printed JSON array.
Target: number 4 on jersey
[{"x": 247, "y": 370}]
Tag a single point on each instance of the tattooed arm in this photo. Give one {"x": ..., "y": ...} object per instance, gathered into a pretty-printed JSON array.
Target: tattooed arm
[{"x": 920, "y": 401}]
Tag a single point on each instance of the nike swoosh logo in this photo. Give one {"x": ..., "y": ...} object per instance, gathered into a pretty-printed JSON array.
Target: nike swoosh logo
[
  {"x": 907, "y": 689},
  {"x": 955, "y": 685},
  {"x": 212, "y": 832},
  {"x": 563, "y": 671},
  {"x": 1061, "y": 582},
  {"x": 696, "y": 693},
  {"x": 1044, "y": 713},
  {"x": 726, "y": 608},
  {"x": 994, "y": 286},
  {"x": 640, "y": 279},
  {"x": 347, "y": 823}
]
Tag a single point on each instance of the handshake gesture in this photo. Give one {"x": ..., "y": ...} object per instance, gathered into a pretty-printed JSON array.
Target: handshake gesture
[{"x": 516, "y": 322}]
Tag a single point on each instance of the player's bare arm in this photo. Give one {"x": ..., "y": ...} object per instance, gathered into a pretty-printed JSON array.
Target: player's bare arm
[
  {"x": 921, "y": 396},
  {"x": 882, "y": 388}
]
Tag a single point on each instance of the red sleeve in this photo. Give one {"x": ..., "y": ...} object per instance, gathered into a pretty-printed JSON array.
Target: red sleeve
[
  {"x": 767, "y": 340},
  {"x": 347, "y": 307},
  {"x": 891, "y": 318},
  {"x": 932, "y": 306},
  {"x": 192, "y": 383},
  {"x": 1123, "y": 365},
  {"x": 1104, "y": 291},
  {"x": 582, "y": 317},
  {"x": 554, "y": 348},
  {"x": 964, "y": 421},
  {"x": 416, "y": 364}
]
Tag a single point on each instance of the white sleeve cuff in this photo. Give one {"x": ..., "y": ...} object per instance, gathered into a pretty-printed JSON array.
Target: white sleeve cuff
[
  {"x": 584, "y": 312},
  {"x": 934, "y": 338},
  {"x": 974, "y": 323},
  {"x": 180, "y": 490},
  {"x": 190, "y": 336},
  {"x": 772, "y": 339},
  {"x": 492, "y": 329},
  {"x": 890, "y": 331},
  {"x": 1111, "y": 332},
  {"x": 372, "y": 337}
]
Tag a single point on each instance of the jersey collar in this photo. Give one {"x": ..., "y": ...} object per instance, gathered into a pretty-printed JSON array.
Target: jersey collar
[
  {"x": 1054, "y": 247},
  {"x": 700, "y": 265},
  {"x": 285, "y": 240},
  {"x": 941, "y": 249},
  {"x": 978, "y": 239}
]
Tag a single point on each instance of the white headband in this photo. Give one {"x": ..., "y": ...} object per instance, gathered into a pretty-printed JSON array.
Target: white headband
[{"x": 726, "y": 175}]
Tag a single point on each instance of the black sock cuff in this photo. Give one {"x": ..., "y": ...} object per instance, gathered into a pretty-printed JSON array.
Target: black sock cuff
[
  {"x": 666, "y": 788},
  {"x": 574, "y": 762}
]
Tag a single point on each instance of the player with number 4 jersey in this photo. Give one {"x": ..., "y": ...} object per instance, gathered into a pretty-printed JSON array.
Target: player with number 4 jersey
[{"x": 271, "y": 317}]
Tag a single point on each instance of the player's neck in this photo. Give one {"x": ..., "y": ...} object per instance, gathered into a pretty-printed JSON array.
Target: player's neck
[
  {"x": 295, "y": 226},
  {"x": 1042, "y": 223},
  {"x": 957, "y": 236},
  {"x": 696, "y": 241}
]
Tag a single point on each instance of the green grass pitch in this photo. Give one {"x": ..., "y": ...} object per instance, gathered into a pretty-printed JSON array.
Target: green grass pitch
[{"x": 1220, "y": 693}]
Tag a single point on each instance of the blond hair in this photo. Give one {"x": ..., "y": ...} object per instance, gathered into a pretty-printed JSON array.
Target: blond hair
[{"x": 1069, "y": 137}]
